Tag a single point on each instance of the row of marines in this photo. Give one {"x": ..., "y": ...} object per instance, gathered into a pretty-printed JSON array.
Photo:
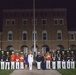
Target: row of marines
[
  {"x": 57, "y": 60},
  {"x": 44, "y": 61}
]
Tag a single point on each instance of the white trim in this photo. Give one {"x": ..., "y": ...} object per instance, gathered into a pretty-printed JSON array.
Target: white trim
[
  {"x": 25, "y": 49},
  {"x": 12, "y": 21},
  {"x": 33, "y": 21},
  {"x": 17, "y": 41},
  {"x": 56, "y": 20},
  {"x": 43, "y": 50},
  {"x": 73, "y": 36},
  {"x": 62, "y": 21},
  {"x": 45, "y": 21},
  {"x": 59, "y": 31},
  {"x": 26, "y": 35},
  {"x": 71, "y": 31},
  {"x": 35, "y": 35},
  {"x": 1, "y": 33},
  {"x": 10, "y": 32},
  {"x": 9, "y": 22},
  {"x": 23, "y": 22},
  {"x": 44, "y": 31}
]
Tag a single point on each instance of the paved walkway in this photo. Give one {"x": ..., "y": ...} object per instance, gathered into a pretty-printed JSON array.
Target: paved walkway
[{"x": 35, "y": 72}]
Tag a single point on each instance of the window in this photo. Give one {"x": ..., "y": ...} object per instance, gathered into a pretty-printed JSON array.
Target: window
[
  {"x": 44, "y": 22},
  {"x": 43, "y": 50},
  {"x": 35, "y": 35},
  {"x": 10, "y": 47},
  {"x": 59, "y": 35},
  {"x": 24, "y": 22},
  {"x": 61, "y": 21},
  {"x": 8, "y": 22},
  {"x": 24, "y": 35},
  {"x": 12, "y": 22},
  {"x": 34, "y": 21},
  {"x": 56, "y": 21},
  {"x": 72, "y": 36},
  {"x": 10, "y": 36},
  {"x": 25, "y": 50},
  {"x": 44, "y": 35}
]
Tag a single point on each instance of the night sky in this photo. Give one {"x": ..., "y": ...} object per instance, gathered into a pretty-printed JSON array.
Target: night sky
[{"x": 23, "y": 4}]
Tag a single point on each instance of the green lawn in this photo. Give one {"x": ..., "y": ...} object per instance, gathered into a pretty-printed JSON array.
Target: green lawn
[
  {"x": 5, "y": 72},
  {"x": 67, "y": 71}
]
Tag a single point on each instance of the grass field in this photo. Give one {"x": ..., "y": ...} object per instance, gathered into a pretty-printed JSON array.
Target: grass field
[
  {"x": 67, "y": 71},
  {"x": 5, "y": 72}
]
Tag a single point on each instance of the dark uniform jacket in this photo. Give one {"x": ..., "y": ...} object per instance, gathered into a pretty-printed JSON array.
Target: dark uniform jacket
[
  {"x": 38, "y": 58},
  {"x": 53, "y": 57},
  {"x": 72, "y": 57},
  {"x": 63, "y": 57},
  {"x": 68, "y": 57},
  {"x": 58, "y": 57},
  {"x": 7, "y": 58},
  {"x": 2, "y": 57}
]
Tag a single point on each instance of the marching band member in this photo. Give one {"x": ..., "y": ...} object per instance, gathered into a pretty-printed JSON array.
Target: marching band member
[
  {"x": 17, "y": 60},
  {"x": 21, "y": 61},
  {"x": 58, "y": 60},
  {"x": 7, "y": 59},
  {"x": 53, "y": 60},
  {"x": 38, "y": 60},
  {"x": 48, "y": 58},
  {"x": 63, "y": 60},
  {"x": 13, "y": 59},
  {"x": 68, "y": 60},
  {"x": 30, "y": 60},
  {"x": 2, "y": 59},
  {"x": 72, "y": 60}
]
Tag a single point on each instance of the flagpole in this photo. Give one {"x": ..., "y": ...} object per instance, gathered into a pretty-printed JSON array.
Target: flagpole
[{"x": 34, "y": 27}]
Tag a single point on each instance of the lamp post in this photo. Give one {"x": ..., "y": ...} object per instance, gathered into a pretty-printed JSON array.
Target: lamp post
[
  {"x": 34, "y": 28},
  {"x": 1, "y": 39}
]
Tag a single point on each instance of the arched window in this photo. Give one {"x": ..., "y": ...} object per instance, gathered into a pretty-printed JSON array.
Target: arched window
[
  {"x": 73, "y": 47},
  {"x": 60, "y": 47},
  {"x": 24, "y": 35},
  {"x": 59, "y": 35},
  {"x": 45, "y": 49},
  {"x": 24, "y": 49},
  {"x": 10, "y": 36},
  {"x": 36, "y": 37},
  {"x": 44, "y": 35},
  {"x": 10, "y": 47}
]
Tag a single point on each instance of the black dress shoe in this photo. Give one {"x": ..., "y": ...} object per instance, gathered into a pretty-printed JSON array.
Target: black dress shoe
[{"x": 38, "y": 69}]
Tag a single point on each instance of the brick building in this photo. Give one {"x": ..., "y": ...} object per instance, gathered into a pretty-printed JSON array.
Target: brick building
[{"x": 51, "y": 30}]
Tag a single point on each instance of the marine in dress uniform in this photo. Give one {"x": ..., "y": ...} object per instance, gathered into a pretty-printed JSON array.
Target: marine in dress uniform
[
  {"x": 13, "y": 60},
  {"x": 2, "y": 59},
  {"x": 68, "y": 60},
  {"x": 72, "y": 60},
  {"x": 58, "y": 60},
  {"x": 48, "y": 59},
  {"x": 7, "y": 61},
  {"x": 17, "y": 61},
  {"x": 63, "y": 57},
  {"x": 38, "y": 60},
  {"x": 21, "y": 61},
  {"x": 53, "y": 60},
  {"x": 30, "y": 60}
]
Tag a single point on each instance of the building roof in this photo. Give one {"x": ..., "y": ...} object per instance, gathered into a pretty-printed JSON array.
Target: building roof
[{"x": 40, "y": 4}]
